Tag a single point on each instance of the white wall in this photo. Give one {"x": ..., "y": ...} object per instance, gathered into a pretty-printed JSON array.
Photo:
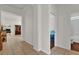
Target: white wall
[
  {"x": 75, "y": 23},
  {"x": 35, "y": 27},
  {"x": 0, "y": 17},
  {"x": 45, "y": 29},
  {"x": 27, "y": 22},
  {"x": 64, "y": 28},
  {"x": 52, "y": 22},
  {"x": 41, "y": 31},
  {"x": 39, "y": 27},
  {"x": 75, "y": 26},
  {"x": 41, "y": 37},
  {"x": 10, "y": 19}
]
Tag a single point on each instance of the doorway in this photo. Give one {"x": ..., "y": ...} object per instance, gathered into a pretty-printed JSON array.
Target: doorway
[
  {"x": 75, "y": 32},
  {"x": 52, "y": 30}
]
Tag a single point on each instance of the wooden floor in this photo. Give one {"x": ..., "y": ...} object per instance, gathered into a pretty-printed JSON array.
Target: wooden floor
[
  {"x": 15, "y": 46},
  {"x": 61, "y": 51}
]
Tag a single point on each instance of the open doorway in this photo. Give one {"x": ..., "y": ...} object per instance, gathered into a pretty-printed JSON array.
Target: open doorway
[
  {"x": 52, "y": 30},
  {"x": 9, "y": 20},
  {"x": 75, "y": 32}
]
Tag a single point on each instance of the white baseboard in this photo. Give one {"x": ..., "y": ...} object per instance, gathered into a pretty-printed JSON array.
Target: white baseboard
[
  {"x": 36, "y": 49},
  {"x": 29, "y": 42},
  {"x": 46, "y": 52}
]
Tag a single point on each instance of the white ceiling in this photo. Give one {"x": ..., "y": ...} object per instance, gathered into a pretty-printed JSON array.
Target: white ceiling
[
  {"x": 19, "y": 6},
  {"x": 69, "y": 6},
  {"x": 15, "y": 8}
]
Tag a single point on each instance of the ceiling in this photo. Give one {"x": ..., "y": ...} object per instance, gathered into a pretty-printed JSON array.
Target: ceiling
[
  {"x": 15, "y": 8},
  {"x": 69, "y": 6},
  {"x": 19, "y": 6}
]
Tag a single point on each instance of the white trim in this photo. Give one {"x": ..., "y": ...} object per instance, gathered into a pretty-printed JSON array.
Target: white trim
[
  {"x": 36, "y": 49},
  {"x": 28, "y": 42},
  {"x": 46, "y": 52}
]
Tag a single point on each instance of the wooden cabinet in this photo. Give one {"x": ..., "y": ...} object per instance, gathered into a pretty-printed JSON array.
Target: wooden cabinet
[{"x": 75, "y": 46}]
